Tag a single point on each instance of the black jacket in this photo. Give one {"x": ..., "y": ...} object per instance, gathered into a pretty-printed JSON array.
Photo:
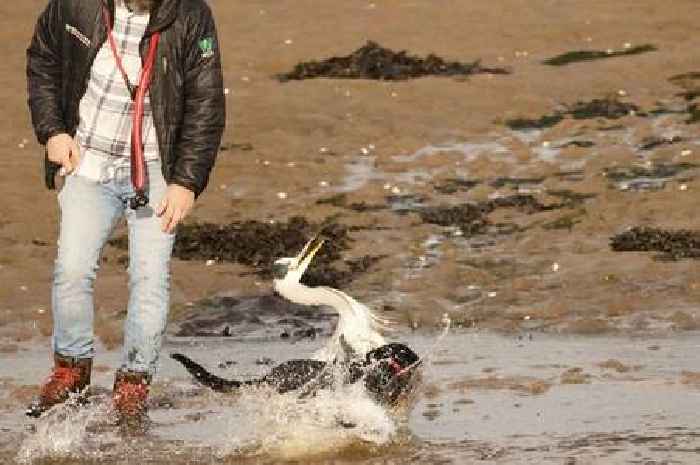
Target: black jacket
[{"x": 186, "y": 93}]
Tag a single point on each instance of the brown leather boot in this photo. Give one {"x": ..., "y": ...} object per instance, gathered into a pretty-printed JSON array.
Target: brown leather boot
[
  {"x": 69, "y": 375},
  {"x": 130, "y": 396}
]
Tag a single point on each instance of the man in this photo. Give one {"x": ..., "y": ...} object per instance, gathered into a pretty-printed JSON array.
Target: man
[{"x": 128, "y": 97}]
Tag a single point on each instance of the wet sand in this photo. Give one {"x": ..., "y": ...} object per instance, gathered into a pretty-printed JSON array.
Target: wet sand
[
  {"x": 412, "y": 159},
  {"x": 469, "y": 408}
]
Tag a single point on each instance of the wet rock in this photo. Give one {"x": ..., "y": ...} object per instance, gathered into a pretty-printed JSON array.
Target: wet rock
[
  {"x": 591, "y": 55},
  {"x": 373, "y": 61},
  {"x": 252, "y": 317},
  {"x": 673, "y": 245}
]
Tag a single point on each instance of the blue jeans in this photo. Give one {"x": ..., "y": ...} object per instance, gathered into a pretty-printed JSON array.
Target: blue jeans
[{"x": 89, "y": 212}]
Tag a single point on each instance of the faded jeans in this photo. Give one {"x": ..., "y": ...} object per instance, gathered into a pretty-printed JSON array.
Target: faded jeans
[{"x": 90, "y": 210}]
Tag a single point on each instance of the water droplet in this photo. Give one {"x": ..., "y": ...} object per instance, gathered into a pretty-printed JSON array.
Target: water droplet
[{"x": 282, "y": 195}]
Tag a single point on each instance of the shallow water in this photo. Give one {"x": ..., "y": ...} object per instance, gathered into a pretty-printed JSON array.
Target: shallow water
[{"x": 503, "y": 399}]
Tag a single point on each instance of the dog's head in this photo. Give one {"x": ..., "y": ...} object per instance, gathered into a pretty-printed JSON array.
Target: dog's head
[{"x": 389, "y": 372}]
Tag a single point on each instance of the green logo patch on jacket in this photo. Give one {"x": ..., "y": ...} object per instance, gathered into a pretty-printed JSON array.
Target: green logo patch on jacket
[{"x": 206, "y": 45}]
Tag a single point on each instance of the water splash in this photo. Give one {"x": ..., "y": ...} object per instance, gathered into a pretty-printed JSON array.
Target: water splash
[
  {"x": 66, "y": 431},
  {"x": 287, "y": 427}
]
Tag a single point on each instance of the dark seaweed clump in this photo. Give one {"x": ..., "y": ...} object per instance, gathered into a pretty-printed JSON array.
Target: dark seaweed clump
[
  {"x": 658, "y": 171},
  {"x": 653, "y": 142},
  {"x": 472, "y": 218},
  {"x": 689, "y": 82},
  {"x": 591, "y": 55},
  {"x": 694, "y": 114},
  {"x": 544, "y": 122},
  {"x": 259, "y": 244},
  {"x": 608, "y": 108},
  {"x": 373, "y": 61},
  {"x": 673, "y": 245},
  {"x": 341, "y": 201},
  {"x": 454, "y": 185}
]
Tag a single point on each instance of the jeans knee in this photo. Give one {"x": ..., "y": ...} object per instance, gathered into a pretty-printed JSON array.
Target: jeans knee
[{"x": 74, "y": 272}]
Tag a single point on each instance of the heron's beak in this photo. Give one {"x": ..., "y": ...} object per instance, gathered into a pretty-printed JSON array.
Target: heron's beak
[{"x": 307, "y": 254}]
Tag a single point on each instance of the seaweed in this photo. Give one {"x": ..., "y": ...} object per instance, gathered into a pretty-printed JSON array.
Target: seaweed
[
  {"x": 658, "y": 171},
  {"x": 694, "y": 114},
  {"x": 567, "y": 221},
  {"x": 258, "y": 244},
  {"x": 472, "y": 218},
  {"x": 373, "y": 61},
  {"x": 609, "y": 108},
  {"x": 544, "y": 122},
  {"x": 585, "y": 144},
  {"x": 591, "y": 55},
  {"x": 673, "y": 245},
  {"x": 687, "y": 81},
  {"x": 650, "y": 143},
  {"x": 340, "y": 201},
  {"x": 515, "y": 182},
  {"x": 452, "y": 186}
]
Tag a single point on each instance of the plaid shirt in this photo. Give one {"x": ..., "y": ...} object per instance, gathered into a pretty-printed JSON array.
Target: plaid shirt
[{"x": 106, "y": 108}]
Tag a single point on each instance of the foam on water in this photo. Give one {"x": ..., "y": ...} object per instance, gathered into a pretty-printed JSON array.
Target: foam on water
[
  {"x": 64, "y": 432},
  {"x": 287, "y": 427}
]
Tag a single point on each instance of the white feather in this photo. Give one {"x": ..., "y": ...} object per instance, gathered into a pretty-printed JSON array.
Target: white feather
[{"x": 358, "y": 326}]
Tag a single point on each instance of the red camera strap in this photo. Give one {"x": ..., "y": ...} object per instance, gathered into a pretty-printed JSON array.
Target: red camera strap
[{"x": 138, "y": 96}]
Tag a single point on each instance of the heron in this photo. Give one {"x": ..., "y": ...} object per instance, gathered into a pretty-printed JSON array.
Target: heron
[{"x": 358, "y": 330}]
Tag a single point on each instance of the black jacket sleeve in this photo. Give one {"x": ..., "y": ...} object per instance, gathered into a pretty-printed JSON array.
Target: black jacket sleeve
[
  {"x": 44, "y": 72},
  {"x": 204, "y": 115}
]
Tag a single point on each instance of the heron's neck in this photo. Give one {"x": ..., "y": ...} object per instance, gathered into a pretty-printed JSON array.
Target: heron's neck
[{"x": 305, "y": 295}]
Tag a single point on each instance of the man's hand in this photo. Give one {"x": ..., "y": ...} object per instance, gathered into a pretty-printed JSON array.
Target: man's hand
[
  {"x": 176, "y": 205},
  {"x": 62, "y": 149}
]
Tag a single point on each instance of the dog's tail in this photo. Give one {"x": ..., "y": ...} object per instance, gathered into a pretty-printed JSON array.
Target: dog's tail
[{"x": 208, "y": 379}]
